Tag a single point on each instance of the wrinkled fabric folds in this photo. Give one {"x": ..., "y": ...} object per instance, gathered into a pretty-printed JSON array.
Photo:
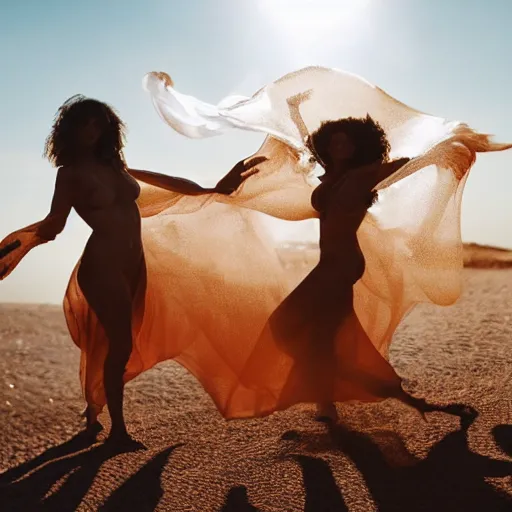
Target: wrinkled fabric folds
[{"x": 213, "y": 273}]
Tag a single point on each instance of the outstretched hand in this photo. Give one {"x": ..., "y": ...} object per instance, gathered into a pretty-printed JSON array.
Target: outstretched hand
[
  {"x": 250, "y": 166},
  {"x": 4, "y": 251},
  {"x": 240, "y": 172}
]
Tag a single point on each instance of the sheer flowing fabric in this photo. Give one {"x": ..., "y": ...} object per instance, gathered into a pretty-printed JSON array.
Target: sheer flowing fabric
[
  {"x": 214, "y": 276},
  {"x": 411, "y": 238}
]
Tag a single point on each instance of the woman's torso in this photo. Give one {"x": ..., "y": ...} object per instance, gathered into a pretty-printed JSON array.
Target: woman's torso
[
  {"x": 325, "y": 296},
  {"x": 105, "y": 198},
  {"x": 342, "y": 210}
]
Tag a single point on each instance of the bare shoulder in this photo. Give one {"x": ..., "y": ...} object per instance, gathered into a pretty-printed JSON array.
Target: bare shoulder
[
  {"x": 72, "y": 175},
  {"x": 65, "y": 171},
  {"x": 65, "y": 176},
  {"x": 71, "y": 180}
]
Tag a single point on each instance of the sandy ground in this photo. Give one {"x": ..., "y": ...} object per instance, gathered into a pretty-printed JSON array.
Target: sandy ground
[
  {"x": 383, "y": 457},
  {"x": 297, "y": 255}
]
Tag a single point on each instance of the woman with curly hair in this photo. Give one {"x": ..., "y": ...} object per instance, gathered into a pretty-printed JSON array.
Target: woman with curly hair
[
  {"x": 332, "y": 358},
  {"x": 86, "y": 145}
]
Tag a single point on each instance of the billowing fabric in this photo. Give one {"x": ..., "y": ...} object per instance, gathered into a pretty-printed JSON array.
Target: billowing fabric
[{"x": 214, "y": 276}]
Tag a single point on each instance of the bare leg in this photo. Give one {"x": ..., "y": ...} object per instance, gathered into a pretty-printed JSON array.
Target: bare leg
[
  {"x": 305, "y": 325},
  {"x": 110, "y": 297},
  {"x": 92, "y": 425},
  {"x": 119, "y": 351},
  {"x": 326, "y": 411}
]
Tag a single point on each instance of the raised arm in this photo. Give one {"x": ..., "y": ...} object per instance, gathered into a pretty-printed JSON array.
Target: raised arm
[
  {"x": 360, "y": 183},
  {"x": 228, "y": 184},
  {"x": 172, "y": 183},
  {"x": 373, "y": 174},
  {"x": 386, "y": 170},
  {"x": 294, "y": 103}
]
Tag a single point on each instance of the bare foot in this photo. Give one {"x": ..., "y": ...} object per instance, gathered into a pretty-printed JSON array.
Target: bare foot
[
  {"x": 326, "y": 412},
  {"x": 90, "y": 432},
  {"x": 93, "y": 426},
  {"x": 121, "y": 441}
]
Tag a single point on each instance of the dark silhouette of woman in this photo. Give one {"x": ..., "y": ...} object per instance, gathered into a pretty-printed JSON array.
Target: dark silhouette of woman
[
  {"x": 354, "y": 153},
  {"x": 332, "y": 358},
  {"x": 86, "y": 145}
]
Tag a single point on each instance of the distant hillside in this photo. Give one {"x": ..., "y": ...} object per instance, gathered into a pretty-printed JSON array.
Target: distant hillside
[{"x": 485, "y": 256}]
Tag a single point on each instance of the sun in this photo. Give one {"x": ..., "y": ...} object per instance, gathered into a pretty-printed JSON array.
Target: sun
[{"x": 307, "y": 21}]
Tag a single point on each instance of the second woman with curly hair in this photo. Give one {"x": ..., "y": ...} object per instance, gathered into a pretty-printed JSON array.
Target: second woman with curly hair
[{"x": 313, "y": 347}]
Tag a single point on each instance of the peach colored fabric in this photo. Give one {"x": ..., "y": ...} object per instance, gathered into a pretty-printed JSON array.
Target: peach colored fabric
[{"x": 214, "y": 276}]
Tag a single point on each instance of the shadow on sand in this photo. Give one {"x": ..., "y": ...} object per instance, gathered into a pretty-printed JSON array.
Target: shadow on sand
[
  {"x": 27, "y": 487},
  {"x": 238, "y": 501},
  {"x": 322, "y": 493},
  {"x": 451, "y": 477}
]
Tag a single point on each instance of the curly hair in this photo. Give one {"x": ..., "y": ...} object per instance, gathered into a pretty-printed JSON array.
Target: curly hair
[
  {"x": 60, "y": 147},
  {"x": 370, "y": 141}
]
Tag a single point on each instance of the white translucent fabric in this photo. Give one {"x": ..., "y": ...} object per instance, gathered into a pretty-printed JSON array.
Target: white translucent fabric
[
  {"x": 214, "y": 277},
  {"x": 411, "y": 237}
]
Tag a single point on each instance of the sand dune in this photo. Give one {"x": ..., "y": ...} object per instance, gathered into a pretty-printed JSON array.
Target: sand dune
[
  {"x": 484, "y": 256},
  {"x": 383, "y": 457}
]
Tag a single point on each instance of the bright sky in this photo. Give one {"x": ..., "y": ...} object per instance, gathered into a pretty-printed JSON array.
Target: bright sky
[{"x": 445, "y": 57}]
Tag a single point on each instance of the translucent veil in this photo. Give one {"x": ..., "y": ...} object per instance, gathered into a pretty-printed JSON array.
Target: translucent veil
[
  {"x": 213, "y": 274},
  {"x": 411, "y": 238}
]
